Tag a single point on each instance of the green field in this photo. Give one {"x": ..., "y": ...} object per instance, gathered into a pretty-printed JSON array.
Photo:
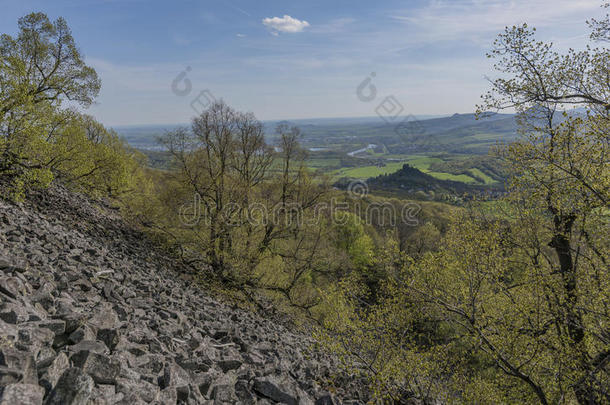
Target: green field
[
  {"x": 366, "y": 172},
  {"x": 443, "y": 166},
  {"x": 451, "y": 148},
  {"x": 453, "y": 177},
  {"x": 421, "y": 162},
  {"x": 478, "y": 173}
]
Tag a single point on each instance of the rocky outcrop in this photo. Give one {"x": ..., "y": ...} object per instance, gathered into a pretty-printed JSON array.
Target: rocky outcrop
[{"x": 92, "y": 313}]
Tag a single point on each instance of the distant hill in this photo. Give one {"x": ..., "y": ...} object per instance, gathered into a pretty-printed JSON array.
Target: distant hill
[
  {"x": 461, "y": 133},
  {"x": 458, "y": 133},
  {"x": 308, "y": 122},
  {"x": 411, "y": 180}
]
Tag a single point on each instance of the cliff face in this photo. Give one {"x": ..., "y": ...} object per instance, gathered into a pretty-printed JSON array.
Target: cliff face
[{"x": 92, "y": 313}]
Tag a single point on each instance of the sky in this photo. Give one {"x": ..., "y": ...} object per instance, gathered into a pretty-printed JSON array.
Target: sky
[{"x": 161, "y": 62}]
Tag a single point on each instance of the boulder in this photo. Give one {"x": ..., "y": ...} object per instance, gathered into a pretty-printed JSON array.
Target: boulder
[
  {"x": 279, "y": 389},
  {"x": 22, "y": 394},
  {"x": 102, "y": 368},
  {"x": 97, "y": 314},
  {"x": 110, "y": 337},
  {"x": 229, "y": 364},
  {"x": 82, "y": 333},
  {"x": 74, "y": 387},
  {"x": 174, "y": 376},
  {"x": 143, "y": 389},
  {"x": 58, "y": 366}
]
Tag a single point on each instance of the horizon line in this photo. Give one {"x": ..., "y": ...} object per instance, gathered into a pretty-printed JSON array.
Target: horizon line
[{"x": 367, "y": 117}]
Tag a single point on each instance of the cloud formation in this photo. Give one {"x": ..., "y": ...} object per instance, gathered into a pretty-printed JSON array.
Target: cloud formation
[{"x": 285, "y": 24}]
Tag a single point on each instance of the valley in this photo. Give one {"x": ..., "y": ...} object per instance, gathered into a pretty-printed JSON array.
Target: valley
[{"x": 454, "y": 148}]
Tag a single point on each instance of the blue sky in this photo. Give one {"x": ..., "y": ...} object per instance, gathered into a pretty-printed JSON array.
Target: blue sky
[{"x": 296, "y": 59}]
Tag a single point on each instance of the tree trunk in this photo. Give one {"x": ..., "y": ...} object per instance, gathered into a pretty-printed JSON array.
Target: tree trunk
[{"x": 560, "y": 242}]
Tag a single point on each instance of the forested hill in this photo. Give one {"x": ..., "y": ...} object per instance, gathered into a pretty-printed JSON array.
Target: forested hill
[
  {"x": 411, "y": 180},
  {"x": 236, "y": 272}
]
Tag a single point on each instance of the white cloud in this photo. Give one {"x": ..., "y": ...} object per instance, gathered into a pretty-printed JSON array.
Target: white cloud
[
  {"x": 241, "y": 35},
  {"x": 285, "y": 24}
]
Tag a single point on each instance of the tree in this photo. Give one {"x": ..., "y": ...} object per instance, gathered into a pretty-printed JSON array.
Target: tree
[
  {"x": 86, "y": 156},
  {"x": 601, "y": 28},
  {"x": 220, "y": 161},
  {"x": 560, "y": 172},
  {"x": 254, "y": 210},
  {"x": 39, "y": 69},
  {"x": 513, "y": 308}
]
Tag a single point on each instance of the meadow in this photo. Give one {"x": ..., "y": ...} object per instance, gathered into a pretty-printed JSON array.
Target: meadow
[{"x": 451, "y": 148}]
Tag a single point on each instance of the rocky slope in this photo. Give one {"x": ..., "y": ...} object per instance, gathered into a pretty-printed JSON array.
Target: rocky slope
[{"x": 92, "y": 313}]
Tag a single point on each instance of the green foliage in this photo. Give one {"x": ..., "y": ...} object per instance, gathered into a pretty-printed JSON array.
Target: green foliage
[
  {"x": 483, "y": 169},
  {"x": 352, "y": 238},
  {"x": 251, "y": 221},
  {"x": 511, "y": 305},
  {"x": 90, "y": 158},
  {"x": 261, "y": 222},
  {"x": 40, "y": 69},
  {"x": 506, "y": 304},
  {"x": 423, "y": 185},
  {"x": 480, "y": 312}
]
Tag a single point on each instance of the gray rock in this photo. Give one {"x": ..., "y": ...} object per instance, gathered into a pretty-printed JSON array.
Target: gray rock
[
  {"x": 155, "y": 363},
  {"x": 89, "y": 345},
  {"x": 132, "y": 399},
  {"x": 9, "y": 316},
  {"x": 143, "y": 389},
  {"x": 229, "y": 364},
  {"x": 72, "y": 319},
  {"x": 84, "y": 284},
  {"x": 105, "y": 318},
  {"x": 8, "y": 332},
  {"x": 59, "y": 365},
  {"x": 12, "y": 287},
  {"x": 44, "y": 295},
  {"x": 22, "y": 361},
  {"x": 90, "y": 283},
  {"x": 243, "y": 393},
  {"x": 83, "y": 332},
  {"x": 110, "y": 337},
  {"x": 9, "y": 375},
  {"x": 57, "y": 326},
  {"x": 104, "y": 394},
  {"x": 133, "y": 348},
  {"x": 73, "y": 388},
  {"x": 45, "y": 357},
  {"x": 222, "y": 394},
  {"x": 174, "y": 376},
  {"x": 33, "y": 335},
  {"x": 277, "y": 389},
  {"x": 168, "y": 396},
  {"x": 103, "y": 369},
  {"x": 22, "y": 394},
  {"x": 5, "y": 264},
  {"x": 327, "y": 399}
]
